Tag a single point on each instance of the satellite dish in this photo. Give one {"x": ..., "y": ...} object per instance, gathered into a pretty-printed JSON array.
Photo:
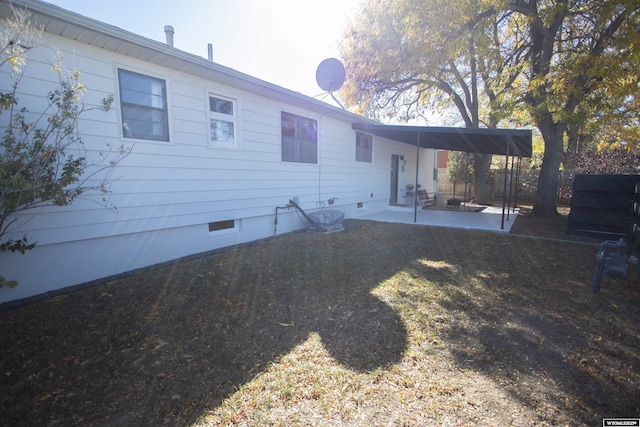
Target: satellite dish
[{"x": 330, "y": 74}]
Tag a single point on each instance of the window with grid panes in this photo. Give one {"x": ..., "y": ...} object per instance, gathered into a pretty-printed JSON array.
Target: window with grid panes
[
  {"x": 364, "y": 147},
  {"x": 143, "y": 105},
  {"x": 299, "y": 139},
  {"x": 222, "y": 121}
]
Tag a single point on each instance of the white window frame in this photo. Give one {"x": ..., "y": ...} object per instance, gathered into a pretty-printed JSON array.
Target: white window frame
[
  {"x": 299, "y": 140},
  {"x": 364, "y": 151},
  {"x": 163, "y": 135},
  {"x": 229, "y": 118}
]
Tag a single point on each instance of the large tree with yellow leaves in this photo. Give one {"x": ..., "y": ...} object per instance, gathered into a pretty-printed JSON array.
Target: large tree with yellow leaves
[
  {"x": 568, "y": 67},
  {"x": 405, "y": 59}
]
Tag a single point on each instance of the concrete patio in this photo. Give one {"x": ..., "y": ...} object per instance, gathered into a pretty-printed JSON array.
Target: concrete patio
[{"x": 490, "y": 218}]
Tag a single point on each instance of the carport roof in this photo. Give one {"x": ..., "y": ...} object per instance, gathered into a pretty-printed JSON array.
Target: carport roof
[{"x": 469, "y": 140}]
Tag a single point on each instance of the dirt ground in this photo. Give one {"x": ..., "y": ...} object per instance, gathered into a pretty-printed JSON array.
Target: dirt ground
[
  {"x": 554, "y": 228},
  {"x": 380, "y": 324}
]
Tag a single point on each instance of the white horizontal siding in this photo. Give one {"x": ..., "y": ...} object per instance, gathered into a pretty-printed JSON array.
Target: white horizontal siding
[{"x": 167, "y": 192}]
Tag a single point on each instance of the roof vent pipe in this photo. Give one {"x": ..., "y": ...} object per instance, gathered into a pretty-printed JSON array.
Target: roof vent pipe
[
  {"x": 210, "y": 50},
  {"x": 168, "y": 30}
]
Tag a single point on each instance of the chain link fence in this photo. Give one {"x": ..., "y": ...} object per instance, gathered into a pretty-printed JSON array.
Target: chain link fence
[{"x": 526, "y": 188}]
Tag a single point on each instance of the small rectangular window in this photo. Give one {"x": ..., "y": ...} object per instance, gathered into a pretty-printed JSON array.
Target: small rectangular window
[
  {"x": 222, "y": 106},
  {"x": 299, "y": 139},
  {"x": 143, "y": 105},
  {"x": 222, "y": 121},
  {"x": 360, "y": 205},
  {"x": 364, "y": 147},
  {"x": 222, "y": 225}
]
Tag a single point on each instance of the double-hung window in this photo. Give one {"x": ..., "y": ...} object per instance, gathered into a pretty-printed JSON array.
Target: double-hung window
[
  {"x": 143, "y": 103},
  {"x": 222, "y": 121},
  {"x": 299, "y": 139},
  {"x": 364, "y": 147}
]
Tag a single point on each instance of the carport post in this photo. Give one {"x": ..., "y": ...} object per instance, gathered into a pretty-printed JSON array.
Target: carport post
[
  {"x": 415, "y": 205},
  {"x": 513, "y": 161},
  {"x": 518, "y": 171},
  {"x": 504, "y": 188}
]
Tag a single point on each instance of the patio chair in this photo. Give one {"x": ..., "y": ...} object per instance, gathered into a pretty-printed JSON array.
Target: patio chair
[{"x": 425, "y": 199}]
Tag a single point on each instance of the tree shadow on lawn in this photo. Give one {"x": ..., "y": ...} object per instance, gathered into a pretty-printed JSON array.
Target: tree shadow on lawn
[
  {"x": 530, "y": 321},
  {"x": 166, "y": 345}
]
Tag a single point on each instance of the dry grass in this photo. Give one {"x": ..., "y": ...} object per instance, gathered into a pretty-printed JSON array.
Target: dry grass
[{"x": 381, "y": 324}]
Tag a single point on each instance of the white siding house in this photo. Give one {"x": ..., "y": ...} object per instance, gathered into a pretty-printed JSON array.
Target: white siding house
[{"x": 214, "y": 152}]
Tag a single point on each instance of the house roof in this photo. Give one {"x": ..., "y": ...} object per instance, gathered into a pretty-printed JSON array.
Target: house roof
[
  {"x": 56, "y": 20},
  {"x": 59, "y": 21},
  {"x": 470, "y": 140}
]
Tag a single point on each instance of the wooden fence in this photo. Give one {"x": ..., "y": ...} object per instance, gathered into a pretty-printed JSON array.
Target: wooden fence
[{"x": 604, "y": 206}]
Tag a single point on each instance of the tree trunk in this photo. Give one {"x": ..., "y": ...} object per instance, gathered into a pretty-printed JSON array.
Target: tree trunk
[
  {"x": 481, "y": 165},
  {"x": 545, "y": 204},
  {"x": 569, "y": 158}
]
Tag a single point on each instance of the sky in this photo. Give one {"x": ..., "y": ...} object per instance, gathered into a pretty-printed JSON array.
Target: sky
[{"x": 279, "y": 41}]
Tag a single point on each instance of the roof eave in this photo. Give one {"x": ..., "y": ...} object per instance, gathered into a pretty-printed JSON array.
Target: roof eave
[
  {"x": 517, "y": 142},
  {"x": 77, "y": 27}
]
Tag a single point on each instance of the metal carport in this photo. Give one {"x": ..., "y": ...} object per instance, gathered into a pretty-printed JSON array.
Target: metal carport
[{"x": 507, "y": 142}]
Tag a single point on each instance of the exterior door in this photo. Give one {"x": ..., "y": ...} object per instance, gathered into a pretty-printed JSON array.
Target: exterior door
[{"x": 395, "y": 162}]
